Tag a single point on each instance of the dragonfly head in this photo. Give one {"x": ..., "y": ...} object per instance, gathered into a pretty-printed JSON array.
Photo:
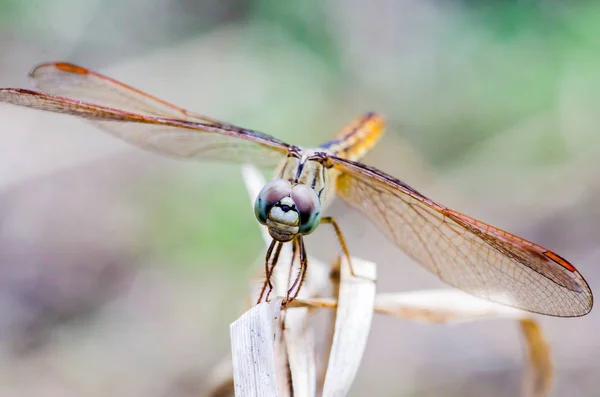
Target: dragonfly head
[{"x": 287, "y": 210}]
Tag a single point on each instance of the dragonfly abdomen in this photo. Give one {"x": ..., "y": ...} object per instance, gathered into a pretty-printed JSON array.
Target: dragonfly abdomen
[{"x": 358, "y": 138}]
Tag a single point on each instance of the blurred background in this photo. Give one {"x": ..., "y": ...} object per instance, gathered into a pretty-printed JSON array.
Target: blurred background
[{"x": 120, "y": 271}]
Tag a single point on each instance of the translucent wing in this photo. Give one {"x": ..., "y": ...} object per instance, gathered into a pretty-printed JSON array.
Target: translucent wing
[
  {"x": 76, "y": 82},
  {"x": 465, "y": 253},
  {"x": 143, "y": 120}
]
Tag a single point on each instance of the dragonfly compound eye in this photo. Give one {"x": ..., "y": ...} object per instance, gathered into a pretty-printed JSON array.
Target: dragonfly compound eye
[
  {"x": 271, "y": 194},
  {"x": 308, "y": 207}
]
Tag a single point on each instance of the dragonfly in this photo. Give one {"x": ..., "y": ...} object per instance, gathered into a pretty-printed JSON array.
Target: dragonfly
[{"x": 468, "y": 254}]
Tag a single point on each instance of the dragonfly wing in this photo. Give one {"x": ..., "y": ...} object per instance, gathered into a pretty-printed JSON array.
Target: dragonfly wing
[
  {"x": 170, "y": 137},
  {"x": 79, "y": 83},
  {"x": 468, "y": 254}
]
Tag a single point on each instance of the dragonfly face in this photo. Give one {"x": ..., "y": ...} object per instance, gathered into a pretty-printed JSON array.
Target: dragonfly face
[
  {"x": 291, "y": 203},
  {"x": 287, "y": 210}
]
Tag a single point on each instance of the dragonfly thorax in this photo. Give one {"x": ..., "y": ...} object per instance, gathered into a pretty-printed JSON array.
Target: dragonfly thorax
[{"x": 287, "y": 210}]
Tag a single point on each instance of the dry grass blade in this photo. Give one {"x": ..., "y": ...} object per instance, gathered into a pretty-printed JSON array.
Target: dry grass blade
[
  {"x": 439, "y": 306},
  {"x": 352, "y": 326},
  {"x": 254, "y": 352},
  {"x": 301, "y": 348}
]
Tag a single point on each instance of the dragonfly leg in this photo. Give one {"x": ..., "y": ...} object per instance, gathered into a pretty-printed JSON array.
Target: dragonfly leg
[
  {"x": 295, "y": 248},
  {"x": 303, "y": 265},
  {"x": 298, "y": 246},
  {"x": 270, "y": 261},
  {"x": 269, "y": 274},
  {"x": 342, "y": 241}
]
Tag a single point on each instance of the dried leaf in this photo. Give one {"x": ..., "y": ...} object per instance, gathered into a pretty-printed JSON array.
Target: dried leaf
[
  {"x": 450, "y": 305},
  {"x": 352, "y": 326},
  {"x": 300, "y": 342},
  {"x": 253, "y": 351}
]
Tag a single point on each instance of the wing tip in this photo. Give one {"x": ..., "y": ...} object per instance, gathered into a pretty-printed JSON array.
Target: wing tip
[
  {"x": 61, "y": 66},
  {"x": 586, "y": 310},
  {"x": 553, "y": 256},
  {"x": 582, "y": 282}
]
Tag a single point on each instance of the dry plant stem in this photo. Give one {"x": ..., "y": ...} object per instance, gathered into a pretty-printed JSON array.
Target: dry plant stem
[{"x": 537, "y": 377}]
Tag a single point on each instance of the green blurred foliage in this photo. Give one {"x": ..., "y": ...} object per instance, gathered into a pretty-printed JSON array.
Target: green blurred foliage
[
  {"x": 305, "y": 23},
  {"x": 497, "y": 65},
  {"x": 208, "y": 225}
]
